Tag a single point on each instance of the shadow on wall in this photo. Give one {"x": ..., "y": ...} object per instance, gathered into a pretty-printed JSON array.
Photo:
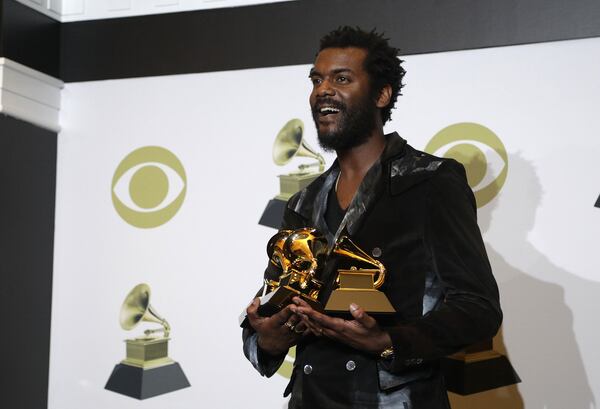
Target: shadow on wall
[{"x": 537, "y": 321}]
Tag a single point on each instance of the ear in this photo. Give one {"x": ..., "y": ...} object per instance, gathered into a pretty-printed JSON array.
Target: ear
[{"x": 384, "y": 96}]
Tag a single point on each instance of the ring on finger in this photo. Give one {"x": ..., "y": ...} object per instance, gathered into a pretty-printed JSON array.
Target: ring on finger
[
  {"x": 290, "y": 326},
  {"x": 299, "y": 330}
]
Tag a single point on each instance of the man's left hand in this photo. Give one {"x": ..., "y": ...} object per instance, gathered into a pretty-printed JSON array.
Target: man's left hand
[{"x": 362, "y": 333}]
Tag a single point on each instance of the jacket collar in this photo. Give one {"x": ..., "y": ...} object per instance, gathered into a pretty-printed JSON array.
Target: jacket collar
[{"x": 312, "y": 200}]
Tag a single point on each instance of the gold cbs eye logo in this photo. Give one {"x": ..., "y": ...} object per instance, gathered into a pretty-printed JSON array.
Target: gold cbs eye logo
[
  {"x": 480, "y": 151},
  {"x": 149, "y": 187}
]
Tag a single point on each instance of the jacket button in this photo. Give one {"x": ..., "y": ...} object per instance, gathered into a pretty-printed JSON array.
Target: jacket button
[
  {"x": 376, "y": 252},
  {"x": 307, "y": 369},
  {"x": 350, "y": 365}
]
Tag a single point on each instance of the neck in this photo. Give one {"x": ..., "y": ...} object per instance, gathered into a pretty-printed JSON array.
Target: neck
[{"x": 355, "y": 162}]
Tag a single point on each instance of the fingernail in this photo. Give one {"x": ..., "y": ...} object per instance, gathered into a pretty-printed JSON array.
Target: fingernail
[
  {"x": 293, "y": 309},
  {"x": 353, "y": 307}
]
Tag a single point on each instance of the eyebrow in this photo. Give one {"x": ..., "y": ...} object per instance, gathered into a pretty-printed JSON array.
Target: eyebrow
[{"x": 314, "y": 72}]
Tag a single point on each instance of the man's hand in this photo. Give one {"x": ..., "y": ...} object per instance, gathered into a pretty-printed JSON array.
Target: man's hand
[
  {"x": 362, "y": 333},
  {"x": 277, "y": 333}
]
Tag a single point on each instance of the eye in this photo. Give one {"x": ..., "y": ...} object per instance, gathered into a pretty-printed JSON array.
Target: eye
[
  {"x": 480, "y": 151},
  {"x": 342, "y": 79},
  {"x": 316, "y": 80},
  {"x": 148, "y": 187}
]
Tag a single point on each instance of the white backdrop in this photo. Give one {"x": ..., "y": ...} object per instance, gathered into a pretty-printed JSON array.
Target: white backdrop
[{"x": 205, "y": 263}]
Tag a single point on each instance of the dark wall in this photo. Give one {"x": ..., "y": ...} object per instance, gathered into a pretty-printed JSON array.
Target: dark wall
[
  {"x": 29, "y": 37},
  {"x": 28, "y": 182},
  {"x": 287, "y": 33}
]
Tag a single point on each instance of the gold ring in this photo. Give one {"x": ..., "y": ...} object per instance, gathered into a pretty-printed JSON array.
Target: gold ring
[
  {"x": 290, "y": 325},
  {"x": 299, "y": 332}
]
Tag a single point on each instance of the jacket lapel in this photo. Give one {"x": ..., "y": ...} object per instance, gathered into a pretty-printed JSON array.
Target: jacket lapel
[
  {"x": 372, "y": 186},
  {"x": 312, "y": 202}
]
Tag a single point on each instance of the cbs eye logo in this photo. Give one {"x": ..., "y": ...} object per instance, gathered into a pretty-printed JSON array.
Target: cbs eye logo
[
  {"x": 148, "y": 187},
  {"x": 480, "y": 151}
]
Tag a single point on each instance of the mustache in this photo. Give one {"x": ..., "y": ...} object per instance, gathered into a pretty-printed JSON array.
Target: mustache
[{"x": 328, "y": 102}]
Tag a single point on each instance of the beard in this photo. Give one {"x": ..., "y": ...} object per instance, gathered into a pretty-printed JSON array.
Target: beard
[{"x": 353, "y": 128}]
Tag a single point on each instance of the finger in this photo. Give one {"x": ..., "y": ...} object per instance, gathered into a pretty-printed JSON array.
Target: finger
[
  {"x": 362, "y": 317},
  {"x": 302, "y": 307},
  {"x": 311, "y": 326},
  {"x": 300, "y": 328},
  {"x": 301, "y": 303},
  {"x": 252, "y": 310},
  {"x": 283, "y": 315},
  {"x": 316, "y": 331},
  {"x": 323, "y": 320}
]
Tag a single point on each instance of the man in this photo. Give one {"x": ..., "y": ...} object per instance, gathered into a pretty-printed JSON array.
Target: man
[{"x": 412, "y": 211}]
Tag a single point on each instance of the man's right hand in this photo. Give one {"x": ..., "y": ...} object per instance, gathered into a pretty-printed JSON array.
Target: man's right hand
[{"x": 277, "y": 333}]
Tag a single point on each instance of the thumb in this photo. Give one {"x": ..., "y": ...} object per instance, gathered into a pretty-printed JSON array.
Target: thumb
[
  {"x": 361, "y": 316},
  {"x": 252, "y": 310}
]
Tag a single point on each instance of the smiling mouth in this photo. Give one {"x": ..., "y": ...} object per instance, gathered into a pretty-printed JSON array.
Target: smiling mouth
[{"x": 327, "y": 110}]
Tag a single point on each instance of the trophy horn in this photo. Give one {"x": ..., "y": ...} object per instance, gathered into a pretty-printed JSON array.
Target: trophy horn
[
  {"x": 347, "y": 248},
  {"x": 136, "y": 308},
  {"x": 289, "y": 143}
]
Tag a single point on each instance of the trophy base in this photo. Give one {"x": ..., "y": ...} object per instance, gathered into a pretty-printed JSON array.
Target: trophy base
[
  {"x": 140, "y": 383},
  {"x": 374, "y": 302},
  {"x": 470, "y": 373},
  {"x": 273, "y": 213},
  {"x": 275, "y": 301}
]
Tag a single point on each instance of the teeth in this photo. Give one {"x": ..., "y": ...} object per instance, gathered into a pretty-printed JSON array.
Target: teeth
[{"x": 328, "y": 110}]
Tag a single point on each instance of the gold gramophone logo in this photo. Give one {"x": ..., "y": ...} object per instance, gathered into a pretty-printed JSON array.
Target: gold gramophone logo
[
  {"x": 481, "y": 152},
  {"x": 289, "y": 144},
  {"x": 147, "y": 370},
  {"x": 149, "y": 187}
]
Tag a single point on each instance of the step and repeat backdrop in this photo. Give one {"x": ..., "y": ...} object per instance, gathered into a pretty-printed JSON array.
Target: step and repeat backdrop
[{"x": 163, "y": 180}]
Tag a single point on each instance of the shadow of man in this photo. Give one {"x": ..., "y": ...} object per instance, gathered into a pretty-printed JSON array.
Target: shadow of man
[{"x": 538, "y": 324}]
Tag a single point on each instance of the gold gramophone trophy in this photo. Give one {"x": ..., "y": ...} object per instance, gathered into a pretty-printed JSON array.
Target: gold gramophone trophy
[
  {"x": 147, "y": 370},
  {"x": 299, "y": 254},
  {"x": 359, "y": 286},
  {"x": 289, "y": 144}
]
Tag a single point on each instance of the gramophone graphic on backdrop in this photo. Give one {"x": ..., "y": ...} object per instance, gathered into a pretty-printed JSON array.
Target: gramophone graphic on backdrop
[
  {"x": 289, "y": 144},
  {"x": 147, "y": 370}
]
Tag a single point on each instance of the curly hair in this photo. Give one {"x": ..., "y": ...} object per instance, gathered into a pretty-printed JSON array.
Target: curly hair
[{"x": 382, "y": 62}]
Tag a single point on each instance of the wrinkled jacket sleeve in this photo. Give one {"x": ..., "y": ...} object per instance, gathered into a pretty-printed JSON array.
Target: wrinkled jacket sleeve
[
  {"x": 264, "y": 363},
  {"x": 469, "y": 311}
]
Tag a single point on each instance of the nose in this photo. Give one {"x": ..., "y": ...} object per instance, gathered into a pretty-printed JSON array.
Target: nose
[{"x": 324, "y": 89}]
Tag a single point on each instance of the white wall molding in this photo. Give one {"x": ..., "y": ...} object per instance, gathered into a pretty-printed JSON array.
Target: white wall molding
[
  {"x": 29, "y": 95},
  {"x": 79, "y": 10}
]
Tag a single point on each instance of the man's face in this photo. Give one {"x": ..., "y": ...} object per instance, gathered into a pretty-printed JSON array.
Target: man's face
[{"x": 342, "y": 104}]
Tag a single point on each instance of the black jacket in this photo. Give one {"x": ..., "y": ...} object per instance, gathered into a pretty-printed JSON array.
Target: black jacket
[{"x": 418, "y": 214}]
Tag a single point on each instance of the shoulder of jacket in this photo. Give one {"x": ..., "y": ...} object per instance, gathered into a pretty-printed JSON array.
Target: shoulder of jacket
[{"x": 415, "y": 167}]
